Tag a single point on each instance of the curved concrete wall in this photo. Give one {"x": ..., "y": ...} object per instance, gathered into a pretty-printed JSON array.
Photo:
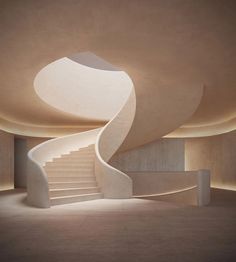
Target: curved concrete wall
[
  {"x": 114, "y": 183},
  {"x": 171, "y": 108},
  {"x": 191, "y": 187},
  {"x": 216, "y": 153}
]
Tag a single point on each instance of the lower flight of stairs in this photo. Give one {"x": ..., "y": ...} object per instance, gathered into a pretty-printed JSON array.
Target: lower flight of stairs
[{"x": 71, "y": 177}]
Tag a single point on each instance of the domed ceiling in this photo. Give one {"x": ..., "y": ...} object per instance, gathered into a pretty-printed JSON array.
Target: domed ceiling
[{"x": 166, "y": 47}]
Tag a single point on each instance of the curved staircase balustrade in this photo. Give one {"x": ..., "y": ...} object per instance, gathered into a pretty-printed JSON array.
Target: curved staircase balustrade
[
  {"x": 114, "y": 183},
  {"x": 48, "y": 185},
  {"x": 37, "y": 180},
  {"x": 107, "y": 140}
]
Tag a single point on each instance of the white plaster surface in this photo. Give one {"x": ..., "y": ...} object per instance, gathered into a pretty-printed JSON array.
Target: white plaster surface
[
  {"x": 82, "y": 90},
  {"x": 114, "y": 183}
]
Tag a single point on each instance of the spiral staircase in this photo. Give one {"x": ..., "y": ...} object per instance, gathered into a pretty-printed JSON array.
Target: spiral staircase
[{"x": 76, "y": 167}]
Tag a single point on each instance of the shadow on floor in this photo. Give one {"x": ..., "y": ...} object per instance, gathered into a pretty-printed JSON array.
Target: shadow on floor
[{"x": 222, "y": 198}]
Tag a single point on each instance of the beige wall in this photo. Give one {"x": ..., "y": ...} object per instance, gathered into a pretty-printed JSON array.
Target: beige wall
[
  {"x": 217, "y": 153},
  {"x": 22, "y": 146},
  {"x": 6, "y": 161},
  {"x": 165, "y": 154}
]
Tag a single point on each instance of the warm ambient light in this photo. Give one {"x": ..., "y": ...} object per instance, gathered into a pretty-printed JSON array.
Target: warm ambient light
[
  {"x": 7, "y": 186},
  {"x": 90, "y": 93},
  {"x": 26, "y": 129},
  {"x": 167, "y": 193},
  {"x": 82, "y": 90},
  {"x": 207, "y": 130},
  {"x": 224, "y": 187}
]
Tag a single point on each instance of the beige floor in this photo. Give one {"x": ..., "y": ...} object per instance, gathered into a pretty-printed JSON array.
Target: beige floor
[{"x": 118, "y": 230}]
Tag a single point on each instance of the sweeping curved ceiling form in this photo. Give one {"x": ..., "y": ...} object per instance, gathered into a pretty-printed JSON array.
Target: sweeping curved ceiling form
[
  {"x": 203, "y": 131},
  {"x": 83, "y": 85},
  {"x": 168, "y": 48}
]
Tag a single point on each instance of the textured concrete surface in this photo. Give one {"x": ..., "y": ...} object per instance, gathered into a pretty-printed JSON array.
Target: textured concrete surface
[{"x": 118, "y": 230}]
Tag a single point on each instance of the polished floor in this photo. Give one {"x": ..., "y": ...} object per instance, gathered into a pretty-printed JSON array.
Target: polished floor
[{"x": 118, "y": 230}]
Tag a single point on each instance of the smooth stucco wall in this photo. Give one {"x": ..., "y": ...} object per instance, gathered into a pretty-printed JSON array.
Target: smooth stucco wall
[
  {"x": 217, "y": 153},
  {"x": 165, "y": 154},
  {"x": 6, "y": 161}
]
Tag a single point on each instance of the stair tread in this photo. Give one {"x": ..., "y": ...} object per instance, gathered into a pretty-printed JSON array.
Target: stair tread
[
  {"x": 71, "y": 177},
  {"x": 81, "y": 195},
  {"x": 51, "y": 176},
  {"x": 68, "y": 185},
  {"x": 70, "y": 161},
  {"x": 76, "y": 172},
  {"x": 74, "y": 180},
  {"x": 69, "y": 168},
  {"x": 66, "y": 182},
  {"x": 70, "y": 174},
  {"x": 72, "y": 188}
]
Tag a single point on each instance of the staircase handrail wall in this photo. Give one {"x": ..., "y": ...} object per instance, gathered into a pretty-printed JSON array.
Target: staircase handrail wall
[
  {"x": 37, "y": 181},
  {"x": 113, "y": 182}
]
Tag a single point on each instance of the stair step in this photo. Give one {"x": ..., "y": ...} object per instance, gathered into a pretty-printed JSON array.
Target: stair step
[
  {"x": 91, "y": 147},
  {"x": 69, "y": 166},
  {"x": 82, "y": 152},
  {"x": 72, "y": 191},
  {"x": 61, "y": 185},
  {"x": 71, "y": 179},
  {"x": 68, "y": 160},
  {"x": 70, "y": 173},
  {"x": 74, "y": 198},
  {"x": 69, "y": 169},
  {"x": 78, "y": 157}
]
